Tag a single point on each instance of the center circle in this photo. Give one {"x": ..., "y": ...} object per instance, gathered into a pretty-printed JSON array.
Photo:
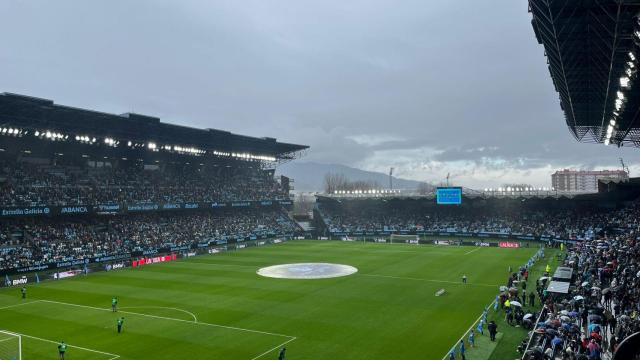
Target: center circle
[{"x": 307, "y": 271}]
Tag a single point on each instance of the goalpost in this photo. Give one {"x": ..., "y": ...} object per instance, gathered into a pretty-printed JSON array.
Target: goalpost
[
  {"x": 405, "y": 239},
  {"x": 10, "y": 345}
]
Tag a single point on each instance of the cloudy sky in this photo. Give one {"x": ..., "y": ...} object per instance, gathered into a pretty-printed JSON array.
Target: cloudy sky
[{"x": 428, "y": 87}]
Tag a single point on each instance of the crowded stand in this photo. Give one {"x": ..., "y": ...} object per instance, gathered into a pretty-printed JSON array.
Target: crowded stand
[
  {"x": 27, "y": 184},
  {"x": 29, "y": 242},
  {"x": 564, "y": 223}
]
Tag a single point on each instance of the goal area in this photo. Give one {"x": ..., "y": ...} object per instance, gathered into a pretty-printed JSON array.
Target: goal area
[
  {"x": 405, "y": 239},
  {"x": 10, "y": 346}
]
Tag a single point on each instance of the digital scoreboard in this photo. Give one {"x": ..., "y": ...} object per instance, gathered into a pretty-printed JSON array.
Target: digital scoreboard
[{"x": 449, "y": 195}]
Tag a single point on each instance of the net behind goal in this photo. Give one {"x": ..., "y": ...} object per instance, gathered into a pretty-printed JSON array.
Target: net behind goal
[
  {"x": 407, "y": 239},
  {"x": 10, "y": 346}
]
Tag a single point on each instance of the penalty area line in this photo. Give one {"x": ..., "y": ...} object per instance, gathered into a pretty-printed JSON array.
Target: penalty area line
[
  {"x": 195, "y": 319},
  {"x": 111, "y": 356},
  {"x": 472, "y": 251},
  {"x": 274, "y": 348},
  {"x": 171, "y": 319}
]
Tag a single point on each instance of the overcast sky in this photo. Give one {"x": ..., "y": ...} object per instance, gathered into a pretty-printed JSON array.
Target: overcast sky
[{"x": 427, "y": 87}]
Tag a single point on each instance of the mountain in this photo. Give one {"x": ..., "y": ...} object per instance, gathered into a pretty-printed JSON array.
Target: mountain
[{"x": 309, "y": 176}]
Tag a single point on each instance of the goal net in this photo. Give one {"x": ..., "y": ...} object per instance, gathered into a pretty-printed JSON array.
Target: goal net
[
  {"x": 10, "y": 346},
  {"x": 408, "y": 239}
]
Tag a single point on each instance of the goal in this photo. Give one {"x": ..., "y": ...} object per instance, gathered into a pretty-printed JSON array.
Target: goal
[
  {"x": 10, "y": 346},
  {"x": 407, "y": 239}
]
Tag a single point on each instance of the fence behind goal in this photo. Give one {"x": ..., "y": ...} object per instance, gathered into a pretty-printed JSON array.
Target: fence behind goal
[{"x": 10, "y": 346}]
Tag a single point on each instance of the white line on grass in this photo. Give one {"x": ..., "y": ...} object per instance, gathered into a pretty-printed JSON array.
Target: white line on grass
[
  {"x": 169, "y": 318},
  {"x": 111, "y": 356},
  {"x": 446, "y": 356},
  {"x": 429, "y": 280},
  {"x": 16, "y": 305},
  {"x": 7, "y": 339},
  {"x": 472, "y": 251},
  {"x": 195, "y": 319},
  {"x": 274, "y": 348}
]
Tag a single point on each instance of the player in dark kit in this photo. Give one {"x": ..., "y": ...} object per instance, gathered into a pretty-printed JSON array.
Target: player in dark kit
[
  {"x": 282, "y": 353},
  {"x": 24, "y": 292},
  {"x": 120, "y": 324},
  {"x": 62, "y": 349},
  {"x": 114, "y": 304}
]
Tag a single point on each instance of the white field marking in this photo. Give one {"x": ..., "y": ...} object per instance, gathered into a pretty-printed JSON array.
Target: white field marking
[
  {"x": 21, "y": 304},
  {"x": 429, "y": 280},
  {"x": 446, "y": 356},
  {"x": 111, "y": 356},
  {"x": 169, "y": 318},
  {"x": 195, "y": 319},
  {"x": 472, "y": 251},
  {"x": 7, "y": 339},
  {"x": 274, "y": 348}
]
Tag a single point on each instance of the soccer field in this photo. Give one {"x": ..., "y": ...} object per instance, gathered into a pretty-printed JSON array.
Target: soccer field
[{"x": 217, "y": 307}]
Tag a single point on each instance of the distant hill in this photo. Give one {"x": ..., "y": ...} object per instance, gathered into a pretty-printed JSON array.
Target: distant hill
[{"x": 309, "y": 176}]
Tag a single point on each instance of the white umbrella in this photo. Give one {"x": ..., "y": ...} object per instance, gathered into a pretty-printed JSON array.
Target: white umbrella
[
  {"x": 564, "y": 312},
  {"x": 578, "y": 297},
  {"x": 585, "y": 283},
  {"x": 595, "y": 288},
  {"x": 565, "y": 318},
  {"x": 544, "y": 278},
  {"x": 503, "y": 288},
  {"x": 528, "y": 316},
  {"x": 515, "y": 303}
]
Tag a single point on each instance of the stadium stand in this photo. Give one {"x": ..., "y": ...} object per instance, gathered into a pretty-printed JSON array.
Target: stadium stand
[{"x": 80, "y": 187}]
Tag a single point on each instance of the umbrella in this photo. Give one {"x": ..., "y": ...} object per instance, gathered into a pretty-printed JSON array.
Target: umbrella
[
  {"x": 596, "y": 288},
  {"x": 564, "y": 312},
  {"x": 503, "y": 288},
  {"x": 544, "y": 278},
  {"x": 565, "y": 318},
  {"x": 586, "y": 283},
  {"x": 606, "y": 291},
  {"x": 578, "y": 297},
  {"x": 573, "y": 314},
  {"x": 515, "y": 303},
  {"x": 527, "y": 316},
  {"x": 513, "y": 290}
]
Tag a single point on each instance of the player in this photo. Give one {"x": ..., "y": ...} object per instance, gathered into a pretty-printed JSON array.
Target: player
[
  {"x": 282, "y": 353},
  {"x": 472, "y": 339},
  {"x": 120, "y": 324},
  {"x": 464, "y": 279},
  {"x": 114, "y": 304},
  {"x": 62, "y": 349},
  {"x": 462, "y": 350},
  {"x": 24, "y": 292}
]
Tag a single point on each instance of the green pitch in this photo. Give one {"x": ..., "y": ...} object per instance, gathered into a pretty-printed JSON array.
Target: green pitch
[{"x": 217, "y": 307}]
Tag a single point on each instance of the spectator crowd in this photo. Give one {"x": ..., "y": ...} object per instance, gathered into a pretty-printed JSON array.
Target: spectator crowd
[
  {"x": 40, "y": 241},
  {"x": 26, "y": 184}
]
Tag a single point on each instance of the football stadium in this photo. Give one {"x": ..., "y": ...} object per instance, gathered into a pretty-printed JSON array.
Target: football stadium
[{"x": 127, "y": 236}]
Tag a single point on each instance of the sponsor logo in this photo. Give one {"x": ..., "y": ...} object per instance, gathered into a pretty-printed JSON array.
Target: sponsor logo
[
  {"x": 142, "y": 207},
  {"x": 240, "y": 204},
  {"x": 117, "y": 266},
  {"x": 441, "y": 242},
  {"x": 23, "y": 280},
  {"x": 26, "y": 211},
  {"x": 214, "y": 251},
  {"x": 171, "y": 206},
  {"x": 485, "y": 244},
  {"x": 74, "y": 210},
  {"x": 506, "y": 244},
  {"x": 191, "y": 206},
  {"x": 108, "y": 208},
  {"x": 66, "y": 274},
  {"x": 266, "y": 203}
]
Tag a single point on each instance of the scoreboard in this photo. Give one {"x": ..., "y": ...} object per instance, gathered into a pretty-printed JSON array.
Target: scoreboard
[{"x": 449, "y": 195}]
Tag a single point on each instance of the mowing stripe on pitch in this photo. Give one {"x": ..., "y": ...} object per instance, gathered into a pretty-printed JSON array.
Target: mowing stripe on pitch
[
  {"x": 428, "y": 280},
  {"x": 171, "y": 319}
]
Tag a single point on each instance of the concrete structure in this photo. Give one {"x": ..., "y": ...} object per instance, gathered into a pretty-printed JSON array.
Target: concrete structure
[{"x": 584, "y": 181}]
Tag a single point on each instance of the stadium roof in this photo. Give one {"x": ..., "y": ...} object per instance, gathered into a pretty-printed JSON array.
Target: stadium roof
[
  {"x": 592, "y": 51},
  {"x": 42, "y": 115}
]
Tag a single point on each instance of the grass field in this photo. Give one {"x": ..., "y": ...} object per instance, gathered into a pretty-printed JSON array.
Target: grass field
[{"x": 216, "y": 307}]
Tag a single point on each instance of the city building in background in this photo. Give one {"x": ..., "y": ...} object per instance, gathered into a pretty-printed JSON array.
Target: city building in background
[{"x": 584, "y": 181}]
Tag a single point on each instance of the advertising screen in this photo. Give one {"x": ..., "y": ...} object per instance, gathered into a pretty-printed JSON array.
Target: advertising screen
[{"x": 449, "y": 195}]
